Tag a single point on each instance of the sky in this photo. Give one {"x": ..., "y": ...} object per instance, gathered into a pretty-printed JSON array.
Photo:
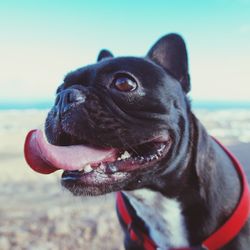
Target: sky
[{"x": 43, "y": 40}]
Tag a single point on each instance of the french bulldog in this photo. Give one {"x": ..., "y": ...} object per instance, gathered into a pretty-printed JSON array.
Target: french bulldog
[{"x": 124, "y": 124}]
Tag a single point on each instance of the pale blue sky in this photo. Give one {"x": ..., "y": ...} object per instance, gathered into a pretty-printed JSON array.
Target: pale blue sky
[{"x": 42, "y": 40}]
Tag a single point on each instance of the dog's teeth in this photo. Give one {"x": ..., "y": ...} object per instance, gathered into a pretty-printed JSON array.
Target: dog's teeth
[
  {"x": 159, "y": 153},
  {"x": 155, "y": 157},
  {"x": 125, "y": 155},
  {"x": 142, "y": 159},
  {"x": 88, "y": 168}
]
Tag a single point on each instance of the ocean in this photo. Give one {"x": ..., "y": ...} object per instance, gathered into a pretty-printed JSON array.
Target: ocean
[
  {"x": 196, "y": 104},
  {"x": 24, "y": 105}
]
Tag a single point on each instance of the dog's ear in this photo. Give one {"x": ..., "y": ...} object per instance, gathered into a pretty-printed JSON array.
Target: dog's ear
[
  {"x": 170, "y": 52},
  {"x": 104, "y": 54}
]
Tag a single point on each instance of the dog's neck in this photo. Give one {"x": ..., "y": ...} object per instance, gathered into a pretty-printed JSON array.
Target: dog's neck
[
  {"x": 207, "y": 191},
  {"x": 211, "y": 187}
]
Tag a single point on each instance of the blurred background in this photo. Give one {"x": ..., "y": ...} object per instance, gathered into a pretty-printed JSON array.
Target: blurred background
[{"x": 40, "y": 41}]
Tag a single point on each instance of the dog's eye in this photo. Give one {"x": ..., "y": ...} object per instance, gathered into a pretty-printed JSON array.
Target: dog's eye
[{"x": 125, "y": 84}]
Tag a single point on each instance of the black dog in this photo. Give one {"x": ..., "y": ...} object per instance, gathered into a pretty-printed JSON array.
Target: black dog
[{"x": 132, "y": 114}]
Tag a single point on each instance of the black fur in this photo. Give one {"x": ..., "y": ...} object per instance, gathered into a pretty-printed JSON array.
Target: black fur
[{"x": 196, "y": 170}]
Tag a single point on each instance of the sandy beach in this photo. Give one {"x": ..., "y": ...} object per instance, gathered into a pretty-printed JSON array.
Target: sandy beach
[{"x": 37, "y": 214}]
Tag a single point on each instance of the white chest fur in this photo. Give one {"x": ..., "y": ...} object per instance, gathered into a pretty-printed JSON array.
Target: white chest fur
[{"x": 162, "y": 216}]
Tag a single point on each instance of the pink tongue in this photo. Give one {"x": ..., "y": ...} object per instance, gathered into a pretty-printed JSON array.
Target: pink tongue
[{"x": 46, "y": 158}]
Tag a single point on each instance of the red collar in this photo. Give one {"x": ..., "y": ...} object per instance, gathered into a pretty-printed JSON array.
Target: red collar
[{"x": 219, "y": 238}]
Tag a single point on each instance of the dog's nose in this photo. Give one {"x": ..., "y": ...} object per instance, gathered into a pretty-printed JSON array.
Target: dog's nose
[{"x": 66, "y": 99}]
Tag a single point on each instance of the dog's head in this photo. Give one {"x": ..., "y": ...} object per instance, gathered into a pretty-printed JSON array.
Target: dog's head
[{"x": 129, "y": 113}]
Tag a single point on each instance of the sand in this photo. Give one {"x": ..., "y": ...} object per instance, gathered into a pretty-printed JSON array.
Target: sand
[{"x": 36, "y": 213}]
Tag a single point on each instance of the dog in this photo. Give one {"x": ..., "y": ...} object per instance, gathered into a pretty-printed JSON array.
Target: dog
[{"x": 126, "y": 126}]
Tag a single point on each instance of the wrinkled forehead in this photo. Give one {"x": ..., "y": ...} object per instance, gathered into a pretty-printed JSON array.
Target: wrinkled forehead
[
  {"x": 135, "y": 65},
  {"x": 139, "y": 67}
]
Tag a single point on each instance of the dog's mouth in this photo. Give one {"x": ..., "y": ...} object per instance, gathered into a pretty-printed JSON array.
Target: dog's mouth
[{"x": 87, "y": 166}]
